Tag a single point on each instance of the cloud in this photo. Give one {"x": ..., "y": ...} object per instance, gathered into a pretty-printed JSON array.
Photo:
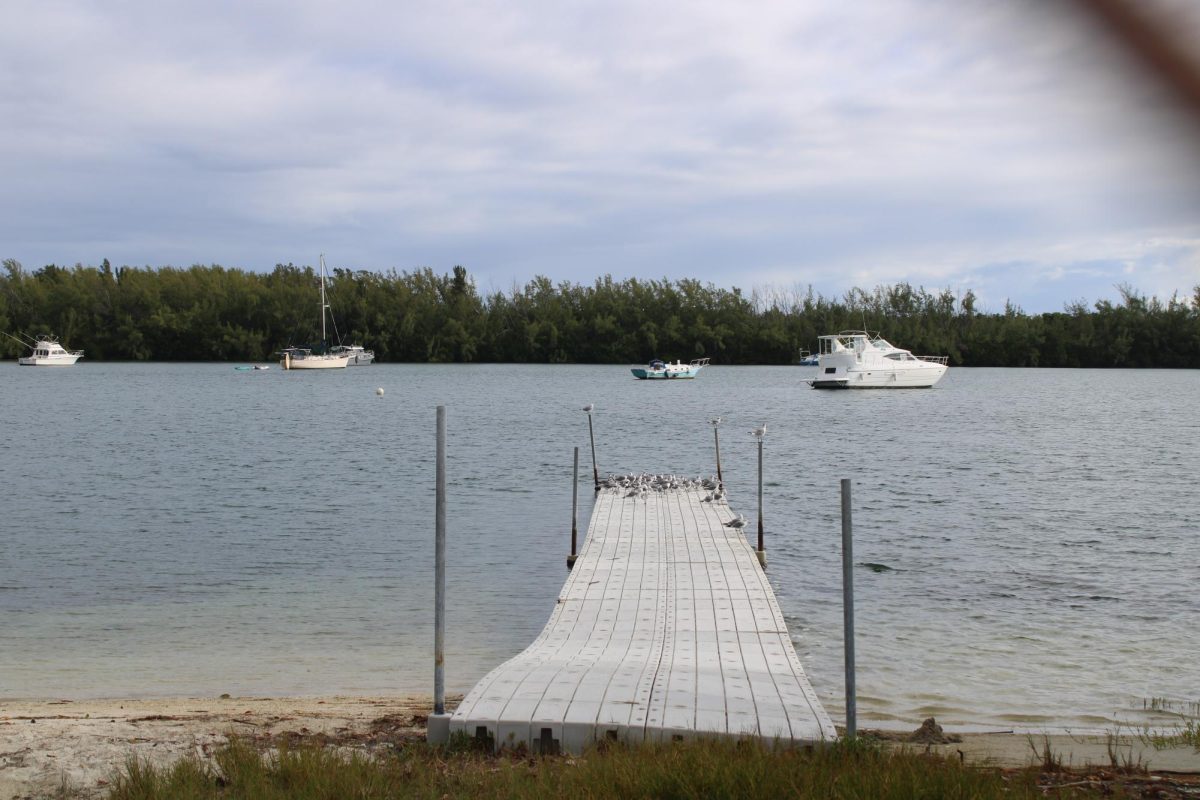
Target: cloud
[{"x": 776, "y": 142}]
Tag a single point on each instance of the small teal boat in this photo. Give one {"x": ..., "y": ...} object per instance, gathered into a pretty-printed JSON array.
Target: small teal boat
[{"x": 661, "y": 370}]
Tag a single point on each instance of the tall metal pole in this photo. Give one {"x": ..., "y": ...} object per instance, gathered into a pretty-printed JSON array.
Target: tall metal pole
[
  {"x": 760, "y": 433},
  {"x": 716, "y": 423},
  {"x": 574, "y": 510},
  {"x": 848, "y": 609},
  {"x": 439, "y": 624},
  {"x": 595, "y": 469},
  {"x": 760, "y": 503}
]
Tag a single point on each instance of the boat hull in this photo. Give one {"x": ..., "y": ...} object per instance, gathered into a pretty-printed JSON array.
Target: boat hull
[
  {"x": 314, "y": 362},
  {"x": 52, "y": 361},
  {"x": 923, "y": 378},
  {"x": 644, "y": 374}
]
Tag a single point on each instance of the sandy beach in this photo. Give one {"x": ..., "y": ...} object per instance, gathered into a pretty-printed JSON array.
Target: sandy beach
[{"x": 48, "y": 744}]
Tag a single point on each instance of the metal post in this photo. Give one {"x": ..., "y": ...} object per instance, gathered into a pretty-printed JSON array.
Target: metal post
[
  {"x": 574, "y": 510},
  {"x": 759, "y": 434},
  {"x": 760, "y": 503},
  {"x": 716, "y": 423},
  {"x": 439, "y": 625},
  {"x": 848, "y": 609},
  {"x": 595, "y": 469},
  {"x": 437, "y": 729}
]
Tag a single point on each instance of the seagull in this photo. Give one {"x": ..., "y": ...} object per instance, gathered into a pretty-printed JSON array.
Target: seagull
[
  {"x": 737, "y": 522},
  {"x": 760, "y": 431},
  {"x": 588, "y": 408},
  {"x": 715, "y": 421}
]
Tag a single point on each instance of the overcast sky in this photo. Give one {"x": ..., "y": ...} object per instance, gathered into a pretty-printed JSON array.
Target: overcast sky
[{"x": 953, "y": 144}]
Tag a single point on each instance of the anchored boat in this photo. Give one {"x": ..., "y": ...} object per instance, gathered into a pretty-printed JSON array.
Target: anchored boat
[
  {"x": 359, "y": 355},
  {"x": 856, "y": 360},
  {"x": 661, "y": 370},
  {"x": 47, "y": 352},
  {"x": 314, "y": 358}
]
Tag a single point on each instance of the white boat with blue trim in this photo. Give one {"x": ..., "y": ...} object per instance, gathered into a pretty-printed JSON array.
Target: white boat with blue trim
[
  {"x": 858, "y": 360},
  {"x": 663, "y": 370},
  {"x": 807, "y": 359}
]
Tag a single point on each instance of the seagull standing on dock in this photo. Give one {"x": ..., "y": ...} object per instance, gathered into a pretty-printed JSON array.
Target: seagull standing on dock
[{"x": 737, "y": 522}]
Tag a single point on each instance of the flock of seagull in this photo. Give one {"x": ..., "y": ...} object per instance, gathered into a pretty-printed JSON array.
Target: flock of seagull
[{"x": 640, "y": 485}]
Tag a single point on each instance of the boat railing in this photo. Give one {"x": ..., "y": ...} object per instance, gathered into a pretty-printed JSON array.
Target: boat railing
[
  {"x": 698, "y": 362},
  {"x": 943, "y": 360}
]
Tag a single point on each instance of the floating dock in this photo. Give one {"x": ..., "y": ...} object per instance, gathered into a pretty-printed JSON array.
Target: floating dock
[{"x": 666, "y": 629}]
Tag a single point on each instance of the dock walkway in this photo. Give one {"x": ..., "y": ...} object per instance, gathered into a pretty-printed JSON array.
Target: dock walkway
[{"x": 666, "y": 628}]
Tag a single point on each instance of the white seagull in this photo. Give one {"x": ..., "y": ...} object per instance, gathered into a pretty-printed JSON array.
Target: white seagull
[
  {"x": 760, "y": 431},
  {"x": 588, "y": 408},
  {"x": 738, "y": 522}
]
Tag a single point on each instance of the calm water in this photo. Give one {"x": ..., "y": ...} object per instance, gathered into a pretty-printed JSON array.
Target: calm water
[{"x": 173, "y": 529}]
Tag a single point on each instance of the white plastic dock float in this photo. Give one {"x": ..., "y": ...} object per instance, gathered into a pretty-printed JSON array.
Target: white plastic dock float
[{"x": 666, "y": 629}]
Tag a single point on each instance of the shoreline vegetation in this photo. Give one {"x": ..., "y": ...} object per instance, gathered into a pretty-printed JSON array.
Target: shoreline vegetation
[
  {"x": 256, "y": 747},
  {"x": 213, "y": 313}
]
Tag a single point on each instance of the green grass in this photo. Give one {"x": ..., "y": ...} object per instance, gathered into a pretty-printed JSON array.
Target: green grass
[{"x": 683, "y": 770}]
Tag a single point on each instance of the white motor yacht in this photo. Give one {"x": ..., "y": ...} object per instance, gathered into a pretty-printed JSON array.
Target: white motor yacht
[
  {"x": 856, "y": 360},
  {"x": 47, "y": 352}
]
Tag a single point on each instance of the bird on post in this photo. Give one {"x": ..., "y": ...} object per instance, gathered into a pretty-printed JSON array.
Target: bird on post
[
  {"x": 588, "y": 408},
  {"x": 760, "y": 431}
]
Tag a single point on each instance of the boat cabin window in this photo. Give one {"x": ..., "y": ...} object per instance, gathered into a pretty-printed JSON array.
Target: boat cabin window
[
  {"x": 897, "y": 356},
  {"x": 830, "y": 370}
]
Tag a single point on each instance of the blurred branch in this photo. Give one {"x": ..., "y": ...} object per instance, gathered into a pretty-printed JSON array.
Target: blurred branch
[{"x": 1149, "y": 38}]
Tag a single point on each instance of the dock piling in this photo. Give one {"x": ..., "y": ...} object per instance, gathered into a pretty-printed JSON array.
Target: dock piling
[
  {"x": 760, "y": 434},
  {"x": 716, "y": 423},
  {"x": 574, "y": 510},
  {"x": 591, "y": 437},
  {"x": 848, "y": 609},
  {"x": 438, "y": 726}
]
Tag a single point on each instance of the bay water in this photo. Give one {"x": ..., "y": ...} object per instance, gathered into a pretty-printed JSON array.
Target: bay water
[{"x": 1028, "y": 540}]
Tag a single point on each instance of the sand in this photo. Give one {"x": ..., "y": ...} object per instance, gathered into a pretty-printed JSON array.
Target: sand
[{"x": 48, "y": 744}]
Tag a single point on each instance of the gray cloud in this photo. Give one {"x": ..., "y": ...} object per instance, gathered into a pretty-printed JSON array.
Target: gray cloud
[{"x": 947, "y": 144}]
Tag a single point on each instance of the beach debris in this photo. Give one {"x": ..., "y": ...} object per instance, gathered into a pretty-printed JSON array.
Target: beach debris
[{"x": 931, "y": 733}]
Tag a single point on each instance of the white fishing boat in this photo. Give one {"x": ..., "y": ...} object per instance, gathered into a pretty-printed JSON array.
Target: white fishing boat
[
  {"x": 661, "y": 370},
  {"x": 359, "y": 356},
  {"x": 47, "y": 352},
  {"x": 858, "y": 360},
  {"x": 315, "y": 358}
]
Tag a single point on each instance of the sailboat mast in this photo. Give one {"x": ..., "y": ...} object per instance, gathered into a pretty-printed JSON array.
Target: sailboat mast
[{"x": 323, "y": 305}]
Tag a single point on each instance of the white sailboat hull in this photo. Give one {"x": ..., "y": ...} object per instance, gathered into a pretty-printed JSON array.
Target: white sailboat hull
[{"x": 314, "y": 362}]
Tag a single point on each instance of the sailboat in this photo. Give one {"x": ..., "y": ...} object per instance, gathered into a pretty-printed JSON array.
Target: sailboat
[{"x": 304, "y": 357}]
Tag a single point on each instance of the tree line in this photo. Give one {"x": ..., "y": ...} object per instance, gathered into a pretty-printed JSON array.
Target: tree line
[{"x": 213, "y": 313}]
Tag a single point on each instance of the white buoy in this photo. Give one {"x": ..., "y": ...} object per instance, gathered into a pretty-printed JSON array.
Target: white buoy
[{"x": 379, "y": 391}]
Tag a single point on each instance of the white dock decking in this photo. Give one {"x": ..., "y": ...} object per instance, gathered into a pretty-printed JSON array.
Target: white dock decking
[{"x": 666, "y": 628}]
